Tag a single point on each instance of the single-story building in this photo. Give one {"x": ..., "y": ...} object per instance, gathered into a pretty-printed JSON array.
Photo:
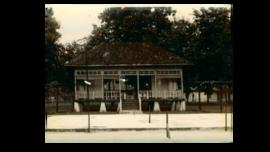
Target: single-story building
[{"x": 128, "y": 76}]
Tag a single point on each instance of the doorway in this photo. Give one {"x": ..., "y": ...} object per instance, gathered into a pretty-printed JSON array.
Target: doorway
[{"x": 129, "y": 89}]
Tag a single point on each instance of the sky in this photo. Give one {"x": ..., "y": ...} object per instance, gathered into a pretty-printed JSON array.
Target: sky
[{"x": 76, "y": 20}]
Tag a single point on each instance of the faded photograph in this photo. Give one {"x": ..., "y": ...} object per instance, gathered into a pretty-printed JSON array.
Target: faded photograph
[{"x": 138, "y": 73}]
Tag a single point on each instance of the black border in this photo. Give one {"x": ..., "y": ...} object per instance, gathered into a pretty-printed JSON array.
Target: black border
[{"x": 30, "y": 63}]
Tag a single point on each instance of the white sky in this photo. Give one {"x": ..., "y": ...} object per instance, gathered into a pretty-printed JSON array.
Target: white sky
[{"x": 76, "y": 19}]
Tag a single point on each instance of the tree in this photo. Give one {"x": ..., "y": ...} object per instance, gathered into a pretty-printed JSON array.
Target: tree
[
  {"x": 56, "y": 54},
  {"x": 212, "y": 52},
  {"x": 52, "y": 63},
  {"x": 51, "y": 26},
  {"x": 181, "y": 37},
  {"x": 133, "y": 25},
  {"x": 70, "y": 50}
]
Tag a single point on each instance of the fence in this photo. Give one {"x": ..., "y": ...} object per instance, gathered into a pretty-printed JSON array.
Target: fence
[{"x": 59, "y": 101}]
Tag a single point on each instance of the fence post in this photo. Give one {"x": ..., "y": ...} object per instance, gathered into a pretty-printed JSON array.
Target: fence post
[
  {"x": 167, "y": 125},
  {"x": 232, "y": 115},
  {"x": 226, "y": 111},
  {"x": 221, "y": 100},
  {"x": 88, "y": 122}
]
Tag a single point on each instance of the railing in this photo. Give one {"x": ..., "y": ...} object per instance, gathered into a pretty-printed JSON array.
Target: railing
[
  {"x": 111, "y": 95},
  {"x": 146, "y": 94},
  {"x": 169, "y": 94},
  {"x": 92, "y": 94}
]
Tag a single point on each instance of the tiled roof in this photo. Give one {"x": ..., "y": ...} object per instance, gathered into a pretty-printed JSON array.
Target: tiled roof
[{"x": 127, "y": 53}]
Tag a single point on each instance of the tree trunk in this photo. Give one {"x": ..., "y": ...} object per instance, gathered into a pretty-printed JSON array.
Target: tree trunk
[{"x": 207, "y": 99}]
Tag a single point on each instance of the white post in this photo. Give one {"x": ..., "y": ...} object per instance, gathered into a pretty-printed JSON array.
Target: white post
[
  {"x": 155, "y": 95},
  {"x": 120, "y": 102},
  {"x": 138, "y": 89},
  {"x": 183, "y": 107},
  {"x": 102, "y": 87},
  {"x": 182, "y": 84},
  {"x": 75, "y": 84}
]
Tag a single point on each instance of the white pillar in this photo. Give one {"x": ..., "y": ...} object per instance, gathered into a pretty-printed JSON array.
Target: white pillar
[
  {"x": 138, "y": 89},
  {"x": 183, "y": 103},
  {"x": 173, "y": 106},
  {"x": 140, "y": 103},
  {"x": 182, "y": 84},
  {"x": 156, "y": 106},
  {"x": 102, "y": 87},
  {"x": 102, "y": 107},
  {"x": 183, "y": 106},
  {"x": 75, "y": 84},
  {"x": 178, "y": 106},
  {"x": 77, "y": 107},
  {"x": 155, "y": 84},
  {"x": 120, "y": 99}
]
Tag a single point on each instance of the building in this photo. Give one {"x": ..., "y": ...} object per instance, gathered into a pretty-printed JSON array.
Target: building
[{"x": 128, "y": 76}]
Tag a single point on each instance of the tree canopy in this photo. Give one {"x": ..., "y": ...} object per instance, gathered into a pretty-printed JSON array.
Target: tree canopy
[
  {"x": 133, "y": 25},
  {"x": 212, "y": 51}
]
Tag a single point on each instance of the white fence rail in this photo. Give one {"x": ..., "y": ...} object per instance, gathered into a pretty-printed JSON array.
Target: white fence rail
[{"x": 146, "y": 94}]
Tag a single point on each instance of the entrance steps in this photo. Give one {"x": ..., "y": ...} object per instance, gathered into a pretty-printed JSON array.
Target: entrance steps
[{"x": 130, "y": 104}]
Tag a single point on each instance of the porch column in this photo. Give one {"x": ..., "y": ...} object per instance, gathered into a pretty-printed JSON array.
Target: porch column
[
  {"x": 120, "y": 99},
  {"x": 87, "y": 86},
  {"x": 183, "y": 104},
  {"x": 138, "y": 89},
  {"x": 182, "y": 84},
  {"x": 75, "y": 84},
  {"x": 155, "y": 84},
  {"x": 102, "y": 87}
]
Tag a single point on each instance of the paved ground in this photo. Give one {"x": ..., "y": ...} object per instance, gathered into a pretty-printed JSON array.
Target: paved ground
[
  {"x": 125, "y": 121},
  {"x": 210, "y": 136}
]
